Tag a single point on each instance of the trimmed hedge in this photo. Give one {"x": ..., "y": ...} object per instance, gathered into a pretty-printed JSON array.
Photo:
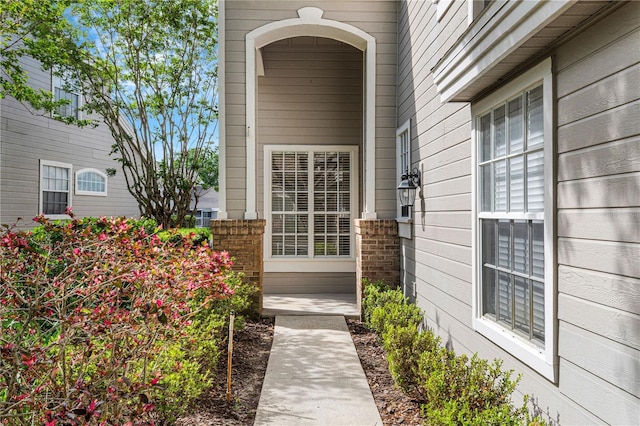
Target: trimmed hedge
[{"x": 454, "y": 390}]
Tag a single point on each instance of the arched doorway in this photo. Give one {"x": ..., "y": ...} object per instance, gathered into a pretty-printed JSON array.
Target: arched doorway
[{"x": 307, "y": 185}]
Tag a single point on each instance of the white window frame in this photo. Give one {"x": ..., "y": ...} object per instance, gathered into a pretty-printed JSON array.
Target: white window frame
[
  {"x": 199, "y": 215},
  {"x": 310, "y": 264},
  {"x": 57, "y": 82},
  {"x": 92, "y": 193},
  {"x": 405, "y": 223},
  {"x": 474, "y": 8},
  {"x": 441, "y": 7},
  {"x": 41, "y": 186},
  {"x": 543, "y": 360}
]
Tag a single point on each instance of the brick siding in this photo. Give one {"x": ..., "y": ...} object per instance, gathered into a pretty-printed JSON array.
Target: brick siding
[
  {"x": 377, "y": 253},
  {"x": 243, "y": 239}
]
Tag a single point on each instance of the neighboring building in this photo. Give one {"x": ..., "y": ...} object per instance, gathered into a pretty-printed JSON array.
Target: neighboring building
[
  {"x": 207, "y": 207},
  {"x": 46, "y": 165},
  {"x": 522, "y": 119}
]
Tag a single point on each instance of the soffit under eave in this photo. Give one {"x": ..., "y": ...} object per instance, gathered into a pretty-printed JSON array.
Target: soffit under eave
[{"x": 487, "y": 54}]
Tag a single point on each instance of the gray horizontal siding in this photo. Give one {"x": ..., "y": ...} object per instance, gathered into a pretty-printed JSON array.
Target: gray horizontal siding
[
  {"x": 598, "y": 210},
  {"x": 332, "y": 74},
  {"x": 288, "y": 283},
  {"x": 27, "y": 138},
  {"x": 319, "y": 82}
]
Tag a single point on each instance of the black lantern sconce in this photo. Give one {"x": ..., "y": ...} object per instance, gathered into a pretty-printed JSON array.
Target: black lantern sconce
[{"x": 410, "y": 183}]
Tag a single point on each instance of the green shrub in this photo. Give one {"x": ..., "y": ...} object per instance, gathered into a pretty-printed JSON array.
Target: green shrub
[
  {"x": 100, "y": 317},
  {"x": 395, "y": 313},
  {"x": 468, "y": 391},
  {"x": 371, "y": 297},
  {"x": 455, "y": 390},
  {"x": 177, "y": 235},
  {"x": 189, "y": 221},
  {"x": 384, "y": 307},
  {"x": 404, "y": 346},
  {"x": 182, "y": 376}
]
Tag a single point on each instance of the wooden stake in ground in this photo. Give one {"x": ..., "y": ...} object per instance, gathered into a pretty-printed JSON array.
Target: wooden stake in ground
[{"x": 230, "y": 356}]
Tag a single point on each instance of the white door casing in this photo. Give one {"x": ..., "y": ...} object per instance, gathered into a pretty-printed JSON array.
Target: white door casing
[{"x": 311, "y": 205}]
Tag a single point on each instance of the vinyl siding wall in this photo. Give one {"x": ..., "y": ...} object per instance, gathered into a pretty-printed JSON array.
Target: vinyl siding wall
[
  {"x": 311, "y": 94},
  {"x": 377, "y": 18},
  {"x": 598, "y": 210},
  {"x": 26, "y": 138}
]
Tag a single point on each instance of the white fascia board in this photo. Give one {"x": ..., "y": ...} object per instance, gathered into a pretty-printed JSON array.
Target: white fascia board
[{"x": 499, "y": 31}]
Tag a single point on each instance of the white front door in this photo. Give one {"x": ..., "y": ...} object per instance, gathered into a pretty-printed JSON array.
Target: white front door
[{"x": 311, "y": 201}]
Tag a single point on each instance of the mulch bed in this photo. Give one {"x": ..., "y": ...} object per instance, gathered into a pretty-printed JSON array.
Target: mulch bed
[{"x": 250, "y": 358}]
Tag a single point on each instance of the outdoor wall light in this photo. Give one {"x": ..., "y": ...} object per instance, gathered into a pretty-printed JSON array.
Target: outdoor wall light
[{"x": 410, "y": 183}]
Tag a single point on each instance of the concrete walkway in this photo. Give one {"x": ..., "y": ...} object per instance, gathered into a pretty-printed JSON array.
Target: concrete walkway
[{"x": 314, "y": 376}]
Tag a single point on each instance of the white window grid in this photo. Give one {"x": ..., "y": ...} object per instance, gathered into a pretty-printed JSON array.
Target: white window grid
[
  {"x": 91, "y": 182},
  {"x": 403, "y": 147},
  {"x": 55, "y": 188},
  {"x": 312, "y": 207},
  {"x": 72, "y": 109},
  {"x": 517, "y": 215}
]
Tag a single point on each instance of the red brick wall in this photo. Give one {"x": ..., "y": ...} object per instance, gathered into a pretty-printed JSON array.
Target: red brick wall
[
  {"x": 377, "y": 252},
  {"x": 243, "y": 239}
]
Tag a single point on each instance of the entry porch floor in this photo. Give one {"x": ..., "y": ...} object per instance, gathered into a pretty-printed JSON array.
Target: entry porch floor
[{"x": 310, "y": 304}]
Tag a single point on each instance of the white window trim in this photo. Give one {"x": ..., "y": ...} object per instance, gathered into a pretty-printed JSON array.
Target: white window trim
[
  {"x": 474, "y": 8},
  {"x": 441, "y": 7},
  {"x": 92, "y": 193},
  {"x": 405, "y": 224},
  {"x": 58, "y": 82},
  {"x": 310, "y": 264},
  {"x": 41, "y": 187},
  {"x": 544, "y": 361}
]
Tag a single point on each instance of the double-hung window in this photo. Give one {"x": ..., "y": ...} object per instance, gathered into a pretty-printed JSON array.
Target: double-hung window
[
  {"x": 55, "y": 188},
  {"x": 63, "y": 92},
  {"x": 514, "y": 279}
]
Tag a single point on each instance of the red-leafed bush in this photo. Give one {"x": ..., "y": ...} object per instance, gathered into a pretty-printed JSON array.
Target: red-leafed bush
[{"x": 102, "y": 323}]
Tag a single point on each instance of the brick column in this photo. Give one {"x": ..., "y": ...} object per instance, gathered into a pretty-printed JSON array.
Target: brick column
[
  {"x": 377, "y": 253},
  {"x": 243, "y": 239}
]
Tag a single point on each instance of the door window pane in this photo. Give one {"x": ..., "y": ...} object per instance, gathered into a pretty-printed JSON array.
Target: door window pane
[{"x": 296, "y": 204}]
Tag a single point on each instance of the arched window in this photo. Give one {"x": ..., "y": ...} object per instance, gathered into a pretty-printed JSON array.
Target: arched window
[{"x": 91, "y": 182}]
